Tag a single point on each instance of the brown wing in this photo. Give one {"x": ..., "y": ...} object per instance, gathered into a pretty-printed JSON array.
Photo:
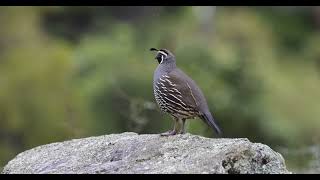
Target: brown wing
[
  {"x": 193, "y": 96},
  {"x": 184, "y": 86}
]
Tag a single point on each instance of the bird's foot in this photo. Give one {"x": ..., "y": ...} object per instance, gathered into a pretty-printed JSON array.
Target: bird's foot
[
  {"x": 182, "y": 132},
  {"x": 169, "y": 133}
]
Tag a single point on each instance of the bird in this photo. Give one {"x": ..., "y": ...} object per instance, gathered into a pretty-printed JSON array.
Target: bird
[{"x": 178, "y": 95}]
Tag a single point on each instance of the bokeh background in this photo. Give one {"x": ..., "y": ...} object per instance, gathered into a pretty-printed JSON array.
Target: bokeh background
[{"x": 73, "y": 72}]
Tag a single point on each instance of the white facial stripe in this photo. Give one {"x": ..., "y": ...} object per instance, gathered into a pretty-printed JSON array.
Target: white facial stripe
[{"x": 161, "y": 59}]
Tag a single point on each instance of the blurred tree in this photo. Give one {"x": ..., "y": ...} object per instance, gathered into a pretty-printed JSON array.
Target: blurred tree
[{"x": 37, "y": 103}]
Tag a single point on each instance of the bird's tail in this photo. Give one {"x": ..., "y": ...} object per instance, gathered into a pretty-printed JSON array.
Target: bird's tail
[{"x": 207, "y": 117}]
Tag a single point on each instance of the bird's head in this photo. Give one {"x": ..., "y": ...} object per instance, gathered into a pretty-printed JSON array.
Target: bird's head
[{"x": 163, "y": 56}]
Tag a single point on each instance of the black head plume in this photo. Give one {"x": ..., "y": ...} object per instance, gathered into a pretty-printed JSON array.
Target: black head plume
[{"x": 153, "y": 49}]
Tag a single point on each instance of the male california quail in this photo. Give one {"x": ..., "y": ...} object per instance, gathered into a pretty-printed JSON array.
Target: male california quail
[{"x": 178, "y": 95}]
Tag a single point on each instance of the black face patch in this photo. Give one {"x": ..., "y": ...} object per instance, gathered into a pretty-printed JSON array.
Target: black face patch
[{"x": 160, "y": 57}]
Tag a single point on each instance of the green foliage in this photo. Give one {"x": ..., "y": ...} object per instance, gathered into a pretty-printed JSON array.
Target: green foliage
[
  {"x": 71, "y": 72},
  {"x": 37, "y": 101}
]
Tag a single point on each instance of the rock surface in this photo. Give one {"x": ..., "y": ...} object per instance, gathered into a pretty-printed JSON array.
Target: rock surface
[{"x": 149, "y": 153}]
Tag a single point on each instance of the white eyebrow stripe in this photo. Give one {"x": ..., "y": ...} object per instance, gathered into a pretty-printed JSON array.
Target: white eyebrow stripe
[{"x": 163, "y": 53}]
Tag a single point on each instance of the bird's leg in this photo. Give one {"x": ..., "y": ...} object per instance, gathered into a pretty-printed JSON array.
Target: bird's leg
[
  {"x": 183, "y": 128},
  {"x": 172, "y": 132}
]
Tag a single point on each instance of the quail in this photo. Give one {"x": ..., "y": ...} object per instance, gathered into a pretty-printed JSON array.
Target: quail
[{"x": 178, "y": 95}]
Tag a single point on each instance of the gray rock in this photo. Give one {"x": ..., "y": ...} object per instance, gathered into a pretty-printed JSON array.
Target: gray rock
[{"x": 132, "y": 153}]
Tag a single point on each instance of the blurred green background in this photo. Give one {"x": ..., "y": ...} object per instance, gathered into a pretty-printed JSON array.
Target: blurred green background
[{"x": 73, "y": 72}]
